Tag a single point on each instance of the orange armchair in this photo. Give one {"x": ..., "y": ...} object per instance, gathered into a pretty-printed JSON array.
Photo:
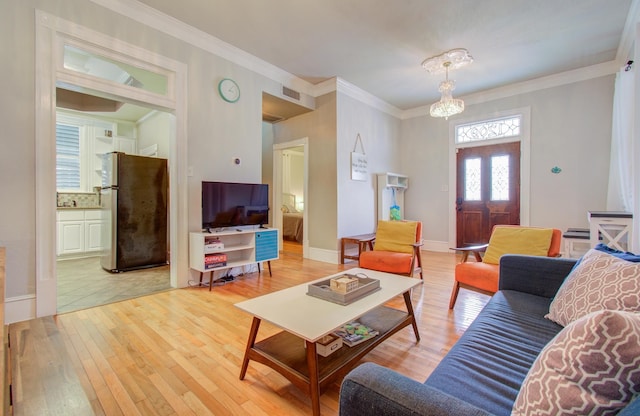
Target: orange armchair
[
  {"x": 396, "y": 249},
  {"x": 483, "y": 274}
]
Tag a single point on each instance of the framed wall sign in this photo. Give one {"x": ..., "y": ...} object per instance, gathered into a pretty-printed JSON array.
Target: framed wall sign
[{"x": 358, "y": 162}]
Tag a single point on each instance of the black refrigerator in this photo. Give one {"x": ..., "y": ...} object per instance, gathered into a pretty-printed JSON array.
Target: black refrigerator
[{"x": 134, "y": 199}]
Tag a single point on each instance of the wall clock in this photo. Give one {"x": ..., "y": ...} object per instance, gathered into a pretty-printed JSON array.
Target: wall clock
[{"x": 229, "y": 90}]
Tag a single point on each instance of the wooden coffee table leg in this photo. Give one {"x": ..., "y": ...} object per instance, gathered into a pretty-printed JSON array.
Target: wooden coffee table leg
[
  {"x": 314, "y": 377},
  {"x": 407, "y": 301},
  {"x": 250, "y": 343}
]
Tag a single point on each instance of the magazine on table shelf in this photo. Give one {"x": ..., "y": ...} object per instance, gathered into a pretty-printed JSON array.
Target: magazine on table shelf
[{"x": 355, "y": 333}]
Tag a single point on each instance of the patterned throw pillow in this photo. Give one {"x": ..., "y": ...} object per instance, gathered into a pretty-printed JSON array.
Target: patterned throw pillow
[
  {"x": 592, "y": 367},
  {"x": 600, "y": 281}
]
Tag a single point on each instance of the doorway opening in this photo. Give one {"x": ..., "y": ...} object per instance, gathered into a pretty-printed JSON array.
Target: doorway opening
[
  {"x": 52, "y": 73},
  {"x": 290, "y": 194},
  {"x": 82, "y": 228}
]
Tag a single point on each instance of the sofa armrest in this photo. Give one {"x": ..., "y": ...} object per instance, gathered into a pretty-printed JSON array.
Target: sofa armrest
[
  {"x": 374, "y": 390},
  {"x": 540, "y": 276}
]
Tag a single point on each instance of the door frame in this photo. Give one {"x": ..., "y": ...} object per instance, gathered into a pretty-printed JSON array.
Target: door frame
[
  {"x": 49, "y": 30},
  {"x": 525, "y": 162},
  {"x": 278, "y": 149}
]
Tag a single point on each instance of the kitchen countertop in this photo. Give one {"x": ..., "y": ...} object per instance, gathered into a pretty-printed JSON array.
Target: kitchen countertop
[{"x": 72, "y": 208}]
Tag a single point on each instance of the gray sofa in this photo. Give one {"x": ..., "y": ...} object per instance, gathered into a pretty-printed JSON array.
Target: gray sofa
[{"x": 483, "y": 372}]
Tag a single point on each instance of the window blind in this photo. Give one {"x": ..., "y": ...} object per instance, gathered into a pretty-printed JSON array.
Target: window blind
[{"x": 67, "y": 157}]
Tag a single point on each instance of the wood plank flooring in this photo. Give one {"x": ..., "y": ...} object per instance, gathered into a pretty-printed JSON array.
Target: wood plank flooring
[{"x": 179, "y": 352}]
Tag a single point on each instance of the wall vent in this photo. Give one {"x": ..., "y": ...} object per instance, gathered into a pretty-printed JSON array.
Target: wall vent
[{"x": 291, "y": 93}]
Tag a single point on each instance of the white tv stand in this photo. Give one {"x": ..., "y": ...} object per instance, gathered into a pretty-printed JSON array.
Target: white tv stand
[{"x": 242, "y": 247}]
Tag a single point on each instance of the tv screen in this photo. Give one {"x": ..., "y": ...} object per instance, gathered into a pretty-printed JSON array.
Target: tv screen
[{"x": 227, "y": 204}]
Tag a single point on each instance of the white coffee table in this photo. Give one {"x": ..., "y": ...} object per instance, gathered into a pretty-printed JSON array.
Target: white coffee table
[{"x": 303, "y": 317}]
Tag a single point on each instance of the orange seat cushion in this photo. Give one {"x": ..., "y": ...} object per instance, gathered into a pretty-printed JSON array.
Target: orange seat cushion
[
  {"x": 484, "y": 276},
  {"x": 386, "y": 261}
]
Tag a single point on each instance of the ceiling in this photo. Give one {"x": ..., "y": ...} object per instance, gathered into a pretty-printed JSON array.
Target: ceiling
[{"x": 378, "y": 45}]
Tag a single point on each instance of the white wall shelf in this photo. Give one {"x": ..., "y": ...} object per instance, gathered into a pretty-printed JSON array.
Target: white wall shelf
[{"x": 388, "y": 185}]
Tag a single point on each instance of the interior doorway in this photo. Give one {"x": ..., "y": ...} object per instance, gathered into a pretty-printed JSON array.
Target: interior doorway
[
  {"x": 133, "y": 130},
  {"x": 290, "y": 195},
  {"x": 54, "y": 37}
]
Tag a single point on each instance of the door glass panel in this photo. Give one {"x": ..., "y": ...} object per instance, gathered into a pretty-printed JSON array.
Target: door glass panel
[
  {"x": 85, "y": 62},
  {"x": 472, "y": 179},
  {"x": 500, "y": 178}
]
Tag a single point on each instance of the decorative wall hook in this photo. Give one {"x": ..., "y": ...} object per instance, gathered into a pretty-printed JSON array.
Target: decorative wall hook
[
  {"x": 628, "y": 67},
  {"x": 556, "y": 170}
]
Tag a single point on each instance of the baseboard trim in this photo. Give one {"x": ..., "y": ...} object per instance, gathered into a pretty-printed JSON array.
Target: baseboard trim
[
  {"x": 438, "y": 246},
  {"x": 333, "y": 256},
  {"x": 327, "y": 256},
  {"x": 19, "y": 308}
]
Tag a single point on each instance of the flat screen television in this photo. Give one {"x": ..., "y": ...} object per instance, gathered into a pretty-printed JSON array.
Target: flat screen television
[{"x": 229, "y": 204}]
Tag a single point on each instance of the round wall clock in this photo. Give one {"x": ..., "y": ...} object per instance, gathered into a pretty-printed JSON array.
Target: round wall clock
[{"x": 229, "y": 90}]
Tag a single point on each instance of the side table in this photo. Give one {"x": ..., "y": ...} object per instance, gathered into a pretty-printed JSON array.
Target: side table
[{"x": 363, "y": 241}]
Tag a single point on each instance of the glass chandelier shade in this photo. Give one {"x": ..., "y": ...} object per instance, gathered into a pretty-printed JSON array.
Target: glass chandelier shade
[
  {"x": 453, "y": 59},
  {"x": 447, "y": 106}
]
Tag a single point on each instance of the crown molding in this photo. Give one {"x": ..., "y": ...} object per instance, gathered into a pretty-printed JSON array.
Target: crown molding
[
  {"x": 366, "y": 97},
  {"x": 555, "y": 80},
  {"x": 169, "y": 25}
]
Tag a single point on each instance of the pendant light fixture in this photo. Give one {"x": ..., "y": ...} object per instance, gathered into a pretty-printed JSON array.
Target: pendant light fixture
[{"x": 450, "y": 60}]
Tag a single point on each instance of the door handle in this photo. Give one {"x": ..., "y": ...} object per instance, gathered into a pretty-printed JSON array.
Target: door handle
[{"x": 459, "y": 204}]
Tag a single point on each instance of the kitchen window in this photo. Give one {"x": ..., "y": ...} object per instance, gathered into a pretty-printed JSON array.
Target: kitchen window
[{"x": 68, "y": 169}]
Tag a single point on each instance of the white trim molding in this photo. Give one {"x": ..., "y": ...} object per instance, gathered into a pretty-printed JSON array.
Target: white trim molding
[
  {"x": 50, "y": 32},
  {"x": 525, "y": 162},
  {"x": 19, "y": 308}
]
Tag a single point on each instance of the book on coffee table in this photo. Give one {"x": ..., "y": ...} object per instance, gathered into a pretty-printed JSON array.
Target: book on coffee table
[{"x": 355, "y": 333}]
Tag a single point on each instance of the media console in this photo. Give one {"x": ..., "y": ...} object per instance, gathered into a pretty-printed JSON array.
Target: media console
[{"x": 241, "y": 247}]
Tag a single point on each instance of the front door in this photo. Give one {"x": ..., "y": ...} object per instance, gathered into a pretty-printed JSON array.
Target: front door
[{"x": 487, "y": 190}]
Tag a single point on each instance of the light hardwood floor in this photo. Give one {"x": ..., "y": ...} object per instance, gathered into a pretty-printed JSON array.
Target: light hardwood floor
[{"x": 179, "y": 352}]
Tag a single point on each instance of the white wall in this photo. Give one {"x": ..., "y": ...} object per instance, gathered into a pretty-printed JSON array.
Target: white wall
[
  {"x": 155, "y": 130},
  {"x": 320, "y": 127},
  {"x": 267, "y": 163},
  {"x": 380, "y": 134},
  {"x": 296, "y": 173},
  {"x": 570, "y": 128}
]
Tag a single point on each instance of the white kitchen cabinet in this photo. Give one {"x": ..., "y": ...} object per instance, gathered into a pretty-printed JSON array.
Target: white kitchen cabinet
[
  {"x": 79, "y": 232},
  {"x": 92, "y": 231},
  {"x": 70, "y": 232}
]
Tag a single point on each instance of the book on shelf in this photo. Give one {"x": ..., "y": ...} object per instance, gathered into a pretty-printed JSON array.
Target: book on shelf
[
  {"x": 211, "y": 261},
  {"x": 355, "y": 333},
  {"x": 213, "y": 244}
]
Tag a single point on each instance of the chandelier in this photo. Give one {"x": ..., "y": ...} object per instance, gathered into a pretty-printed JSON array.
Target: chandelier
[{"x": 453, "y": 59}]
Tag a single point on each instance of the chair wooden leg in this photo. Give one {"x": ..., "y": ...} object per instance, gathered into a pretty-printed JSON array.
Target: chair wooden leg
[{"x": 454, "y": 295}]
